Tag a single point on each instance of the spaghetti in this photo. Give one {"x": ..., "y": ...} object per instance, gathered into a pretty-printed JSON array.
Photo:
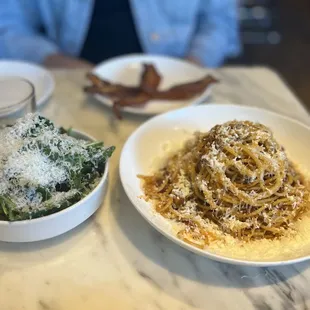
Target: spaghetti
[{"x": 235, "y": 179}]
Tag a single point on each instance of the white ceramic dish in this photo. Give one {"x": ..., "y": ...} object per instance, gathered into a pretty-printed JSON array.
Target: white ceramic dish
[
  {"x": 166, "y": 132},
  {"x": 41, "y": 79},
  {"x": 127, "y": 69},
  {"x": 58, "y": 223}
]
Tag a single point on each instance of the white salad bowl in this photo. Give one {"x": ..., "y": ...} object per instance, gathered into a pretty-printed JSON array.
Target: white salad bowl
[{"x": 60, "y": 222}]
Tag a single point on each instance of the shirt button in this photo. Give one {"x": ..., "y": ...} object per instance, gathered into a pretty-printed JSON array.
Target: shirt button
[{"x": 155, "y": 36}]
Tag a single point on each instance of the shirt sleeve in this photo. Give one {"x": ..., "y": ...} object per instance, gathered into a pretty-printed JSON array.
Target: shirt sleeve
[
  {"x": 217, "y": 32},
  {"x": 20, "y": 37}
]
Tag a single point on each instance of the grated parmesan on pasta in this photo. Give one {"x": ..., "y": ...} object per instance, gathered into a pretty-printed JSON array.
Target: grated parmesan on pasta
[{"x": 231, "y": 185}]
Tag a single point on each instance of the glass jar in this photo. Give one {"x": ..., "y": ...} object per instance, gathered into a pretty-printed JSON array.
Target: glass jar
[{"x": 17, "y": 98}]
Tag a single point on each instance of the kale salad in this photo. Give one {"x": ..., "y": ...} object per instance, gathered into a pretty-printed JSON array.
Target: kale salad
[{"x": 44, "y": 170}]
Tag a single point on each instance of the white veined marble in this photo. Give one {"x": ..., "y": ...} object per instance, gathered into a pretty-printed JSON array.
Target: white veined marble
[{"x": 116, "y": 260}]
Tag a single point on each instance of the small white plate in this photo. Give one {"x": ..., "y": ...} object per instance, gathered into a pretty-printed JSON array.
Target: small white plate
[
  {"x": 166, "y": 132},
  {"x": 41, "y": 79},
  {"x": 127, "y": 69}
]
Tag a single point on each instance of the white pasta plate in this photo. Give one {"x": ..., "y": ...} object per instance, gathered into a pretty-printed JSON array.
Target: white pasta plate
[
  {"x": 60, "y": 222},
  {"x": 151, "y": 142},
  {"x": 127, "y": 70}
]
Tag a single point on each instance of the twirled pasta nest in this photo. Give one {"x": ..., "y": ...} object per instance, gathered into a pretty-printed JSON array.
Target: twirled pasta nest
[{"x": 237, "y": 178}]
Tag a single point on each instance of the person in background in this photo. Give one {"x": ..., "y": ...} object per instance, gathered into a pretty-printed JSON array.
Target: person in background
[{"x": 80, "y": 33}]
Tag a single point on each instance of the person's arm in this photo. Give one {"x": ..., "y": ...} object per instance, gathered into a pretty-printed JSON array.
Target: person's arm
[
  {"x": 68, "y": 62},
  {"x": 217, "y": 32},
  {"x": 20, "y": 22}
]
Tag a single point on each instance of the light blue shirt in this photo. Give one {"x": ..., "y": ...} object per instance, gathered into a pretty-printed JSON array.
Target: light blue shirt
[{"x": 204, "y": 29}]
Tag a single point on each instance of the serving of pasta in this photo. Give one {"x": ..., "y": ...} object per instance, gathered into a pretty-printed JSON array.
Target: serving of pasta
[{"x": 234, "y": 180}]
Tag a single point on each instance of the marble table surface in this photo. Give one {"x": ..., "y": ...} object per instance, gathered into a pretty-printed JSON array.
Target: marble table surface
[{"x": 116, "y": 260}]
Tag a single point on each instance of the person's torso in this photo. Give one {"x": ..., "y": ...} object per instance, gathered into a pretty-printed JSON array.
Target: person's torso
[
  {"x": 162, "y": 26},
  {"x": 111, "y": 32}
]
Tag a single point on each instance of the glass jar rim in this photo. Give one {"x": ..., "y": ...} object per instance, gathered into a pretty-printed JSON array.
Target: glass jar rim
[{"x": 21, "y": 103}]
